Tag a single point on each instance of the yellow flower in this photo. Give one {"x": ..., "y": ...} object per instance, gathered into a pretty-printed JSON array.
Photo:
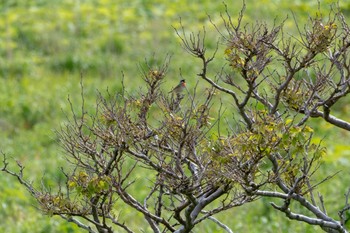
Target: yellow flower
[{"x": 227, "y": 51}]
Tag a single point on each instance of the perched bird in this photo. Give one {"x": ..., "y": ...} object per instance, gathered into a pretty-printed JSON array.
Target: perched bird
[{"x": 180, "y": 87}]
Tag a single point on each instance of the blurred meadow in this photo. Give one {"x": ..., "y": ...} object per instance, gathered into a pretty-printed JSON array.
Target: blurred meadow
[{"x": 45, "y": 47}]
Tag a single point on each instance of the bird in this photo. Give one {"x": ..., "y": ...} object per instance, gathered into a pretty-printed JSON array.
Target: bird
[{"x": 180, "y": 87}]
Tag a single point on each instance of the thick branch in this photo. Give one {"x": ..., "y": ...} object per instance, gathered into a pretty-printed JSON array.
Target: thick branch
[
  {"x": 313, "y": 221},
  {"x": 332, "y": 119}
]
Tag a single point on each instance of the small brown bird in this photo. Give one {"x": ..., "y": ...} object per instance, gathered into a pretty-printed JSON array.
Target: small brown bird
[{"x": 180, "y": 87}]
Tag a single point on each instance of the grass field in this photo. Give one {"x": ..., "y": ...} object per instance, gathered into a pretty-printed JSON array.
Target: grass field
[{"x": 46, "y": 46}]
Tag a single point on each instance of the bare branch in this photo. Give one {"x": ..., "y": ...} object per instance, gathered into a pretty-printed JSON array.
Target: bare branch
[{"x": 78, "y": 223}]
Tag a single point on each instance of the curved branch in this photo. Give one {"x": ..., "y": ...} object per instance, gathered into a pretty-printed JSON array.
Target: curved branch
[
  {"x": 312, "y": 221},
  {"x": 331, "y": 119}
]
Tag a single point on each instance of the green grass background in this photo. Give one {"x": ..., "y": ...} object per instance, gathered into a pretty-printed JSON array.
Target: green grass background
[{"x": 46, "y": 44}]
